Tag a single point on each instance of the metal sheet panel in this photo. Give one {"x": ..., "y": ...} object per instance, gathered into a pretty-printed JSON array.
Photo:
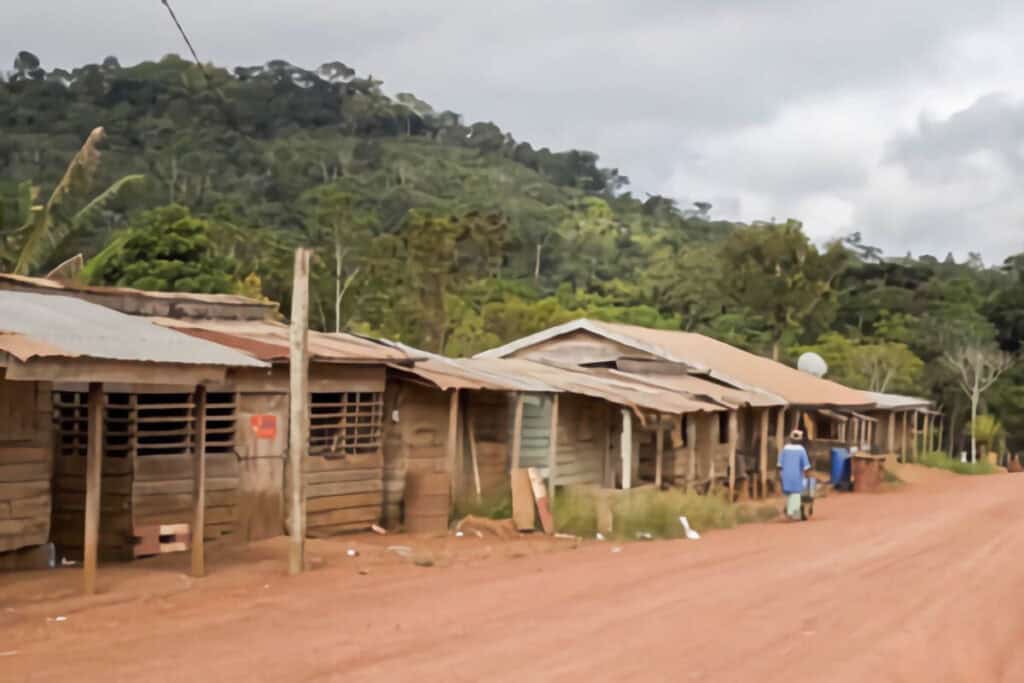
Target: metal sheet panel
[{"x": 47, "y": 326}]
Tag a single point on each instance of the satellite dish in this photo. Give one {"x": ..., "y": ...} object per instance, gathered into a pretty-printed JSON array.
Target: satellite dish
[{"x": 812, "y": 364}]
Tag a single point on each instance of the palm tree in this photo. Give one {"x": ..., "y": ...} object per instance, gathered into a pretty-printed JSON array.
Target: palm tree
[{"x": 41, "y": 226}]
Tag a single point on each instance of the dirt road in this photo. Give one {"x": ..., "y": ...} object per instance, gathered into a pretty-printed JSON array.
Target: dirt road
[{"x": 924, "y": 584}]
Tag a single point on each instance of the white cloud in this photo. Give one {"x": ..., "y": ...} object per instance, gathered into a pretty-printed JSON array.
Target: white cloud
[{"x": 831, "y": 112}]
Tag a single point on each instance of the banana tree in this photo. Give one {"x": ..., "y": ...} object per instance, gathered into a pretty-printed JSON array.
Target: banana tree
[{"x": 42, "y": 226}]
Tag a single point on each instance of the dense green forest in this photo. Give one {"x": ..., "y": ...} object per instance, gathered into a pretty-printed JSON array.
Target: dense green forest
[{"x": 450, "y": 235}]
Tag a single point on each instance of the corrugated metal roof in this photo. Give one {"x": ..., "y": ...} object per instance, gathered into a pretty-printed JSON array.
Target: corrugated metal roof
[
  {"x": 268, "y": 340},
  {"x": 722, "y": 361},
  {"x": 40, "y": 326},
  {"x": 71, "y": 289},
  {"x": 464, "y": 373},
  {"x": 698, "y": 386},
  {"x": 898, "y": 402},
  {"x": 600, "y": 383}
]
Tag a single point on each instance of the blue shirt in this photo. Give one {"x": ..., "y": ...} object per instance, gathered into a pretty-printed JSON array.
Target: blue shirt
[{"x": 793, "y": 462}]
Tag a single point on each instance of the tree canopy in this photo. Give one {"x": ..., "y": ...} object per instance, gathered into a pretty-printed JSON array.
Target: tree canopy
[{"x": 448, "y": 234}]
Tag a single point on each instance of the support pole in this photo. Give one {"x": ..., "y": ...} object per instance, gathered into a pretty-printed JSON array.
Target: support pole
[
  {"x": 93, "y": 481},
  {"x": 473, "y": 452},
  {"x": 199, "y": 486},
  {"x": 298, "y": 423},
  {"x": 913, "y": 436},
  {"x": 517, "y": 432},
  {"x": 890, "y": 437},
  {"x": 926, "y": 445},
  {"x": 763, "y": 455},
  {"x": 659, "y": 454},
  {"x": 713, "y": 439},
  {"x": 903, "y": 438},
  {"x": 626, "y": 449},
  {"x": 553, "y": 451},
  {"x": 452, "y": 445},
  {"x": 733, "y": 439},
  {"x": 691, "y": 448}
]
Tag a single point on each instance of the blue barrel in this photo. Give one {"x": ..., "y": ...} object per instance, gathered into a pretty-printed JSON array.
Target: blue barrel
[{"x": 840, "y": 468}]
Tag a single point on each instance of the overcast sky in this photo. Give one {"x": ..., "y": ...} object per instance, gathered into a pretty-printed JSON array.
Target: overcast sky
[{"x": 902, "y": 119}]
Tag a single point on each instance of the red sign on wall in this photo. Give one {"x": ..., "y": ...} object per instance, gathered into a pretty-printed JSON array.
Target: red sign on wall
[{"x": 264, "y": 426}]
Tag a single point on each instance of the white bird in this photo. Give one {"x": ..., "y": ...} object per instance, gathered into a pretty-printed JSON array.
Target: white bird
[{"x": 690, "y": 533}]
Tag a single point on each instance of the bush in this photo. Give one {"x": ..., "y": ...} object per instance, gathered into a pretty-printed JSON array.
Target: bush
[
  {"x": 944, "y": 462},
  {"x": 495, "y": 506},
  {"x": 653, "y": 512}
]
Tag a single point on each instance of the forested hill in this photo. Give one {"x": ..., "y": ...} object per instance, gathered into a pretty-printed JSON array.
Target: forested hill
[{"x": 445, "y": 234}]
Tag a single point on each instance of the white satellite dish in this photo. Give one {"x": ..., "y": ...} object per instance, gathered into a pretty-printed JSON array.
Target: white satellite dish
[{"x": 812, "y": 364}]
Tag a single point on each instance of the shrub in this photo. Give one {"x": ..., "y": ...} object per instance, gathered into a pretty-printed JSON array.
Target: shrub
[
  {"x": 944, "y": 462},
  {"x": 654, "y": 512}
]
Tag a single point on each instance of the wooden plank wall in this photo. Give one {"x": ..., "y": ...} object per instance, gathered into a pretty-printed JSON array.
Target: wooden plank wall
[
  {"x": 26, "y": 464},
  {"x": 147, "y": 468},
  {"x": 394, "y": 459},
  {"x": 583, "y": 434},
  {"x": 261, "y": 450},
  {"x": 492, "y": 424}
]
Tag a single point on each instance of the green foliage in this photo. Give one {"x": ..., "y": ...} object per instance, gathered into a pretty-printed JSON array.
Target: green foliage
[
  {"x": 646, "y": 511},
  {"x": 943, "y": 462},
  {"x": 497, "y": 506},
  {"x": 988, "y": 432},
  {"x": 876, "y": 366},
  {"x": 167, "y": 250},
  {"x": 453, "y": 235}
]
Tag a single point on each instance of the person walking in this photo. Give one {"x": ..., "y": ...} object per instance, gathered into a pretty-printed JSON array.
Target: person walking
[{"x": 793, "y": 465}]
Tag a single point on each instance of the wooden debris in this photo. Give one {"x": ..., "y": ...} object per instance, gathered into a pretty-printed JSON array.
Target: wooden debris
[
  {"x": 540, "y": 495},
  {"x": 522, "y": 500}
]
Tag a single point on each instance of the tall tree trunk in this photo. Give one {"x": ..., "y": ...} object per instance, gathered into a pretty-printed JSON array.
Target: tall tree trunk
[
  {"x": 775, "y": 350},
  {"x": 337, "y": 283},
  {"x": 974, "y": 417},
  {"x": 536, "y": 262}
]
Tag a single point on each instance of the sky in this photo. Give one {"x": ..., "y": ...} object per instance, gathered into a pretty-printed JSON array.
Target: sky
[{"x": 900, "y": 119}]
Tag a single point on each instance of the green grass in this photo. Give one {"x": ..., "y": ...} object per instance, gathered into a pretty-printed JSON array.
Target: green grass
[
  {"x": 944, "y": 462},
  {"x": 497, "y": 506},
  {"x": 890, "y": 478},
  {"x": 646, "y": 511}
]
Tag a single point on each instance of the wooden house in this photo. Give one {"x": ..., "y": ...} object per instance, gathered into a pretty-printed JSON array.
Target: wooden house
[
  {"x": 78, "y": 449},
  {"x": 788, "y": 398},
  {"x": 344, "y": 469},
  {"x": 906, "y": 426},
  {"x": 465, "y": 425}
]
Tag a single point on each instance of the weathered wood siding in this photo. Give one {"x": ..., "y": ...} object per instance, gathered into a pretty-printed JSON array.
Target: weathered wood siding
[
  {"x": 578, "y": 348},
  {"x": 26, "y": 464},
  {"x": 583, "y": 440},
  {"x": 148, "y": 466}
]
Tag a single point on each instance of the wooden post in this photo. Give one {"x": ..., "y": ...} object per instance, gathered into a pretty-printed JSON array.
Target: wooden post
[
  {"x": 890, "y": 437},
  {"x": 913, "y": 436},
  {"x": 691, "y": 447},
  {"x": 659, "y": 454},
  {"x": 626, "y": 449},
  {"x": 733, "y": 439},
  {"x": 713, "y": 434},
  {"x": 473, "y": 452},
  {"x": 93, "y": 482},
  {"x": 298, "y": 423},
  {"x": 903, "y": 438},
  {"x": 763, "y": 455},
  {"x": 927, "y": 445},
  {"x": 553, "y": 450},
  {"x": 517, "y": 432},
  {"x": 452, "y": 445},
  {"x": 199, "y": 485}
]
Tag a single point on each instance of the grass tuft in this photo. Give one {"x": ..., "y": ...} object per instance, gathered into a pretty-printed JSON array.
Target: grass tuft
[
  {"x": 944, "y": 462},
  {"x": 646, "y": 511}
]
